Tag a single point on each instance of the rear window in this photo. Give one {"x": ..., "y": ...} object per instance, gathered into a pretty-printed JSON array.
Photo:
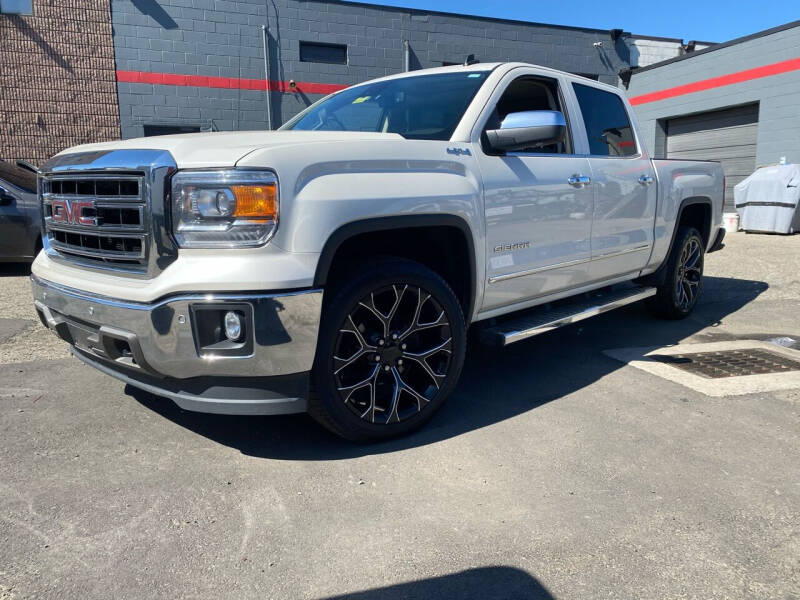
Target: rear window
[{"x": 607, "y": 123}]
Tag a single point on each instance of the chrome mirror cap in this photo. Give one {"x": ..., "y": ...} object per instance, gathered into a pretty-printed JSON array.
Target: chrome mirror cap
[{"x": 528, "y": 129}]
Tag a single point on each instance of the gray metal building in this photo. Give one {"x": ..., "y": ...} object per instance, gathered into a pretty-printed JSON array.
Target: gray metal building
[
  {"x": 187, "y": 65},
  {"x": 737, "y": 102}
]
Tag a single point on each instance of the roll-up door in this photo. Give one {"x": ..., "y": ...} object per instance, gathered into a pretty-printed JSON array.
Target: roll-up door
[{"x": 728, "y": 136}]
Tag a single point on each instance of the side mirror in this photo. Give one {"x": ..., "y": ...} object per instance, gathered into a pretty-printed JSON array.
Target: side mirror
[{"x": 528, "y": 129}]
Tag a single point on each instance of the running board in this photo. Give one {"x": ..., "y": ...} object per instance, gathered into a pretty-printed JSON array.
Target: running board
[{"x": 543, "y": 320}]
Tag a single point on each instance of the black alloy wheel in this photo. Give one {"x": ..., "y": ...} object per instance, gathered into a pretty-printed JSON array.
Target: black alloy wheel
[
  {"x": 390, "y": 351},
  {"x": 683, "y": 278},
  {"x": 392, "y": 354},
  {"x": 690, "y": 274}
]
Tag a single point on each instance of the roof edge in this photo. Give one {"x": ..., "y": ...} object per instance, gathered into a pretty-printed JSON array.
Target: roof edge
[
  {"x": 720, "y": 46},
  {"x": 465, "y": 16}
]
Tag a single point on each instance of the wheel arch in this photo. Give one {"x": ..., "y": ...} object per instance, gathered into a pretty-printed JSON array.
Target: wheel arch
[
  {"x": 697, "y": 211},
  {"x": 694, "y": 210},
  {"x": 435, "y": 230}
]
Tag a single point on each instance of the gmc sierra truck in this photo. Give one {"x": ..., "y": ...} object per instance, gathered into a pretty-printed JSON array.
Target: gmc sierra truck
[{"x": 334, "y": 266}]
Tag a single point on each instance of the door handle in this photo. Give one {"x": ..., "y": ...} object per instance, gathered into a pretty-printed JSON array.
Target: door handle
[
  {"x": 579, "y": 181},
  {"x": 646, "y": 179}
]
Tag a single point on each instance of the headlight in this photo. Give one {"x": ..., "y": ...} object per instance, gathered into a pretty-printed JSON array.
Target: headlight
[{"x": 224, "y": 209}]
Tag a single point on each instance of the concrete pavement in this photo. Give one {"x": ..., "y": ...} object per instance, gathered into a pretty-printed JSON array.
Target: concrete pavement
[{"x": 553, "y": 472}]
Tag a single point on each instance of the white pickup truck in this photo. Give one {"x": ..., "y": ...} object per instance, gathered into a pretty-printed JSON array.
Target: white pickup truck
[{"x": 335, "y": 265}]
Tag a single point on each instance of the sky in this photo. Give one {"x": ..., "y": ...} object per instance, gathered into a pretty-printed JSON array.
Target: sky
[{"x": 701, "y": 20}]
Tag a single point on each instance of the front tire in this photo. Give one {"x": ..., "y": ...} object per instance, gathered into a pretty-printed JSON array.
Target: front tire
[
  {"x": 678, "y": 295},
  {"x": 390, "y": 352}
]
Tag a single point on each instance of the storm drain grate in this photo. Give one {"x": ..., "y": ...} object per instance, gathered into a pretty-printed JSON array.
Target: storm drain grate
[{"x": 730, "y": 363}]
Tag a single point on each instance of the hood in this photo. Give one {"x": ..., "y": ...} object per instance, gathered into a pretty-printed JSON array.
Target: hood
[{"x": 226, "y": 148}]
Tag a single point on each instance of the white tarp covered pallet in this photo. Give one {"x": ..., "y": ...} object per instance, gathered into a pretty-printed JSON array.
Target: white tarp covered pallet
[{"x": 768, "y": 200}]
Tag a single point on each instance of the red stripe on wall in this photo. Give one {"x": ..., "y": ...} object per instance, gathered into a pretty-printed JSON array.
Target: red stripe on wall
[
  {"x": 785, "y": 66},
  {"x": 235, "y": 83}
]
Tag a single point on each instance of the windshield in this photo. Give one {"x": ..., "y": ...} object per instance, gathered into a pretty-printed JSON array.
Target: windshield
[{"x": 423, "y": 107}]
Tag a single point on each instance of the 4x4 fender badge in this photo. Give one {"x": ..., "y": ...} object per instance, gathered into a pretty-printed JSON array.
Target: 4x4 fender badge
[{"x": 459, "y": 151}]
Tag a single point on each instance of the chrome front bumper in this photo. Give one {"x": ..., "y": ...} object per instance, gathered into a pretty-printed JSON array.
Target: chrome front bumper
[{"x": 154, "y": 346}]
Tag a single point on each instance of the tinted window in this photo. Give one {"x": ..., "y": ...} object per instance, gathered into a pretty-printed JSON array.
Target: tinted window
[
  {"x": 17, "y": 176},
  {"x": 324, "y": 53},
  {"x": 607, "y": 123},
  {"x": 422, "y": 107}
]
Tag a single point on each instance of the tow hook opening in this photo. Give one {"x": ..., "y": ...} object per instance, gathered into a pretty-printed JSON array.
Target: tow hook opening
[{"x": 122, "y": 349}]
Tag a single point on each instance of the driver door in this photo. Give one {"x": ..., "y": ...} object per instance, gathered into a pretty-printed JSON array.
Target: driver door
[{"x": 538, "y": 202}]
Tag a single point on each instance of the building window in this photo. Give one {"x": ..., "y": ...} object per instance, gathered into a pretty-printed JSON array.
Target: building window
[
  {"x": 335, "y": 54},
  {"x": 16, "y": 7},
  {"x": 169, "y": 129}
]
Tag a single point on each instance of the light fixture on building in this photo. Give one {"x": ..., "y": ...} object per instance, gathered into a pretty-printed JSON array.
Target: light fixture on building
[{"x": 16, "y": 7}]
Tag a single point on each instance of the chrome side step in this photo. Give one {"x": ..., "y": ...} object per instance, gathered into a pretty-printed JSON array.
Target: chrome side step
[{"x": 541, "y": 320}]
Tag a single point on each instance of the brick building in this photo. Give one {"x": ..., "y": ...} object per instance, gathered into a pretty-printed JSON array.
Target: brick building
[
  {"x": 57, "y": 78},
  {"x": 88, "y": 70}
]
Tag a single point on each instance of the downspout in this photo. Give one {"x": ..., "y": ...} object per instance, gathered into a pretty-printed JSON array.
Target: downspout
[
  {"x": 265, "y": 30},
  {"x": 406, "y": 56}
]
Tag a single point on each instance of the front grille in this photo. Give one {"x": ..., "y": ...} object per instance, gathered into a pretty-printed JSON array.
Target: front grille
[{"x": 97, "y": 220}]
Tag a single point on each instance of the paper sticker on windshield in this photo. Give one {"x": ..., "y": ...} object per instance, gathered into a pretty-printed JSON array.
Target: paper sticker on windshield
[{"x": 361, "y": 99}]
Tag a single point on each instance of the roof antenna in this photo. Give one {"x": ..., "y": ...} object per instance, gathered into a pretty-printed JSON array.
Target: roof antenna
[{"x": 471, "y": 60}]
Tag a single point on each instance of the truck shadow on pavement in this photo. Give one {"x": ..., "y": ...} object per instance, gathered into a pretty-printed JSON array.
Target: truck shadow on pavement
[
  {"x": 497, "y": 583},
  {"x": 496, "y": 384}
]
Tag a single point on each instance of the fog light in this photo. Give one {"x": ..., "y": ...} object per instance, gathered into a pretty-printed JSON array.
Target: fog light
[{"x": 233, "y": 326}]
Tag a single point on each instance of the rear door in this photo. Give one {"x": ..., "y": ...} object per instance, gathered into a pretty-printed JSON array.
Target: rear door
[
  {"x": 538, "y": 224},
  {"x": 623, "y": 180}
]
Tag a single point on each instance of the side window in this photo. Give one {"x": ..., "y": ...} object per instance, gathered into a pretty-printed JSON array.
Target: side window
[
  {"x": 607, "y": 123},
  {"x": 530, "y": 93}
]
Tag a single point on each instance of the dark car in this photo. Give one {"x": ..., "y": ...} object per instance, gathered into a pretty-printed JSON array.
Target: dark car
[{"x": 20, "y": 214}]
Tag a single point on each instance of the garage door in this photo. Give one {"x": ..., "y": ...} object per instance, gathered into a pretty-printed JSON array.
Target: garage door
[{"x": 728, "y": 136}]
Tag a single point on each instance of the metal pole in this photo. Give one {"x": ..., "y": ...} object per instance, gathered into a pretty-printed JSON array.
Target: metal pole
[
  {"x": 406, "y": 56},
  {"x": 266, "y": 76}
]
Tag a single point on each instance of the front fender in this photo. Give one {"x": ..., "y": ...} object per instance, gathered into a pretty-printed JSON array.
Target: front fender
[{"x": 324, "y": 187}]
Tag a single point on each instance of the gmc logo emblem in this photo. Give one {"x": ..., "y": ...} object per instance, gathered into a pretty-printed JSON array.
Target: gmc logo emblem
[{"x": 71, "y": 212}]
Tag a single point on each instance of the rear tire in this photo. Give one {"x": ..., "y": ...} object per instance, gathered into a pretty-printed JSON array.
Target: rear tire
[
  {"x": 677, "y": 296},
  {"x": 390, "y": 351}
]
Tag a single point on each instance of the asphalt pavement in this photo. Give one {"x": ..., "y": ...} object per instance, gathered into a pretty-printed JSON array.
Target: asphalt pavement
[{"x": 554, "y": 471}]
